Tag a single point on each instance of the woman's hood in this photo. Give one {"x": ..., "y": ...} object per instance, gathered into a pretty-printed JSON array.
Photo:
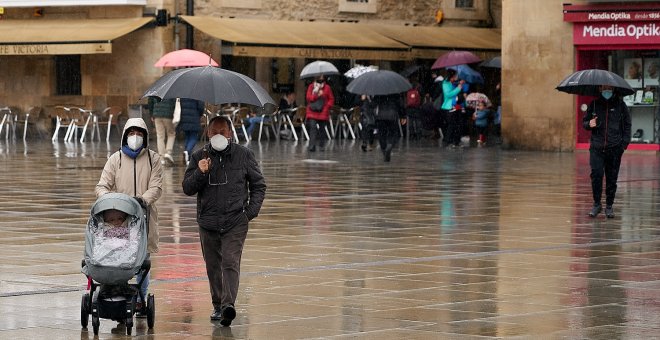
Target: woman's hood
[{"x": 138, "y": 123}]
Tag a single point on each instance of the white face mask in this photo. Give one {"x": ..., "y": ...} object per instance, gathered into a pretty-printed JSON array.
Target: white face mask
[
  {"x": 219, "y": 142},
  {"x": 134, "y": 142}
]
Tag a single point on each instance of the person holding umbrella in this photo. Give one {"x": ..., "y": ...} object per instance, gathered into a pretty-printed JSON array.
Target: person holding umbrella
[
  {"x": 319, "y": 101},
  {"x": 608, "y": 119}
]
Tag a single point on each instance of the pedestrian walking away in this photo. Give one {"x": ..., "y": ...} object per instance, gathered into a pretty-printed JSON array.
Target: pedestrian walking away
[
  {"x": 162, "y": 112},
  {"x": 135, "y": 170},
  {"x": 389, "y": 113},
  {"x": 230, "y": 190},
  {"x": 191, "y": 113},
  {"x": 608, "y": 119}
]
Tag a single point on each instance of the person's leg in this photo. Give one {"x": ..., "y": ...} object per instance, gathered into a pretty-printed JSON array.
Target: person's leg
[
  {"x": 211, "y": 252},
  {"x": 612, "y": 165},
  {"x": 597, "y": 163},
  {"x": 231, "y": 248},
  {"x": 322, "y": 137},
  {"x": 191, "y": 141},
  {"x": 171, "y": 136},
  {"x": 313, "y": 134},
  {"x": 160, "y": 135}
]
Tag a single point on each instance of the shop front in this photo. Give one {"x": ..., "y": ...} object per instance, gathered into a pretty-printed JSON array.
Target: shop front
[{"x": 624, "y": 39}]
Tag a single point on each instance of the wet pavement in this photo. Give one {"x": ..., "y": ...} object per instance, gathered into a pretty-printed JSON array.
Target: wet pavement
[{"x": 440, "y": 243}]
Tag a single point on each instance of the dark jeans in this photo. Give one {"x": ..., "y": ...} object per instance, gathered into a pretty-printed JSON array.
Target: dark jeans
[
  {"x": 454, "y": 127},
  {"x": 222, "y": 255},
  {"x": 604, "y": 162},
  {"x": 388, "y": 132},
  {"x": 314, "y": 138}
]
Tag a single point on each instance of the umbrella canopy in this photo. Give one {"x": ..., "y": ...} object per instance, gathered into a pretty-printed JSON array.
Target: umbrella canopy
[
  {"x": 588, "y": 82},
  {"x": 495, "y": 62},
  {"x": 454, "y": 58},
  {"x": 379, "y": 83},
  {"x": 318, "y": 68},
  {"x": 473, "y": 98},
  {"x": 184, "y": 58},
  {"x": 410, "y": 70},
  {"x": 359, "y": 70},
  {"x": 210, "y": 84},
  {"x": 468, "y": 74}
]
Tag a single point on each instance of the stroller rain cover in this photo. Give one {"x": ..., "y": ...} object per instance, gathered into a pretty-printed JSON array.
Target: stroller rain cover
[{"x": 110, "y": 259}]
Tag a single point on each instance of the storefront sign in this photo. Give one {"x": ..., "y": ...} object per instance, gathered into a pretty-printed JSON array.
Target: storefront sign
[
  {"x": 315, "y": 53},
  {"x": 616, "y": 33},
  {"x": 55, "y": 49},
  {"x": 612, "y": 16}
]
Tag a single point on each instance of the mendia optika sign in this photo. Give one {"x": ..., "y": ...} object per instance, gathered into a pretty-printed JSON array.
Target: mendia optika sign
[{"x": 636, "y": 24}]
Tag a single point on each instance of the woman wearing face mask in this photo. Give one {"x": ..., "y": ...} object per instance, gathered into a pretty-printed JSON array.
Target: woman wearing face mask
[
  {"x": 230, "y": 190},
  {"x": 319, "y": 90},
  {"x": 608, "y": 119},
  {"x": 135, "y": 170}
]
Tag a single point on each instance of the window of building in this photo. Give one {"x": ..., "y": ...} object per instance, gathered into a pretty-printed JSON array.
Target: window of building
[
  {"x": 464, "y": 3},
  {"x": 358, "y": 6},
  {"x": 67, "y": 75}
]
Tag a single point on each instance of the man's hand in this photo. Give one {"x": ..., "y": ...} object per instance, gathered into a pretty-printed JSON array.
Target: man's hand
[
  {"x": 204, "y": 165},
  {"x": 592, "y": 122}
]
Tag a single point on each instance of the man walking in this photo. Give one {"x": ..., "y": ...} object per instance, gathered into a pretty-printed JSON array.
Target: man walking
[{"x": 230, "y": 190}]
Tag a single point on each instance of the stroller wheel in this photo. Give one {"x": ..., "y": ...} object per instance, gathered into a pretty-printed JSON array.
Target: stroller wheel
[
  {"x": 151, "y": 311},
  {"x": 95, "y": 324},
  {"x": 84, "y": 310}
]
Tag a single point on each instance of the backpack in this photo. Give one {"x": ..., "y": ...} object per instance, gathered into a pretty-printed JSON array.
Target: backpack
[{"x": 413, "y": 99}]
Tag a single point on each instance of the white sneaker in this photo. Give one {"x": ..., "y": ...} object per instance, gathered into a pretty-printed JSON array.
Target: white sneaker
[
  {"x": 186, "y": 157},
  {"x": 168, "y": 158}
]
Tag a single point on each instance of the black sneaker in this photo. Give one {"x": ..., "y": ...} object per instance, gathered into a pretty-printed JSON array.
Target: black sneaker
[
  {"x": 217, "y": 315},
  {"x": 228, "y": 315},
  {"x": 595, "y": 210},
  {"x": 364, "y": 147},
  {"x": 609, "y": 212}
]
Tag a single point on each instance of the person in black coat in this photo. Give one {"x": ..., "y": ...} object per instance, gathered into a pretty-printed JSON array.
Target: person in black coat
[
  {"x": 388, "y": 111},
  {"x": 608, "y": 119}
]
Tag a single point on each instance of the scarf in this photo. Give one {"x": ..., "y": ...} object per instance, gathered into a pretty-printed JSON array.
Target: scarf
[{"x": 130, "y": 153}]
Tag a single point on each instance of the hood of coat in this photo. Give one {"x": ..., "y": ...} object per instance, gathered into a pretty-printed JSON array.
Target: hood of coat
[{"x": 140, "y": 124}]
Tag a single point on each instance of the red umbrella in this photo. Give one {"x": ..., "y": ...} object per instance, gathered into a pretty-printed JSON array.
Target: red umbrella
[
  {"x": 455, "y": 58},
  {"x": 185, "y": 57}
]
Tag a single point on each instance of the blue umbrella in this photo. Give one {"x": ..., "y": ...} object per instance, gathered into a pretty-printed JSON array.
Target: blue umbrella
[{"x": 468, "y": 74}]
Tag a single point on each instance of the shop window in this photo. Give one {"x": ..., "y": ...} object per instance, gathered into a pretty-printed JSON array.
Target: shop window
[
  {"x": 283, "y": 75},
  {"x": 358, "y": 6},
  {"x": 67, "y": 75},
  {"x": 464, "y": 3}
]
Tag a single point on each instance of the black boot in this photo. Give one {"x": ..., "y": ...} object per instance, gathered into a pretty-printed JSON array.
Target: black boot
[
  {"x": 609, "y": 212},
  {"x": 597, "y": 208}
]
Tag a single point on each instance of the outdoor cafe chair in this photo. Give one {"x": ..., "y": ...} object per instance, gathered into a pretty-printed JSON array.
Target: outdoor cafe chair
[
  {"x": 7, "y": 121},
  {"x": 63, "y": 119},
  {"x": 298, "y": 121},
  {"x": 26, "y": 119},
  {"x": 270, "y": 121},
  {"x": 108, "y": 117},
  {"x": 344, "y": 124},
  {"x": 238, "y": 116}
]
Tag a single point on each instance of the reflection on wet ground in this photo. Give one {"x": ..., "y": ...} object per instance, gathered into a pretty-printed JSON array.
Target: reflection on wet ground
[{"x": 439, "y": 243}]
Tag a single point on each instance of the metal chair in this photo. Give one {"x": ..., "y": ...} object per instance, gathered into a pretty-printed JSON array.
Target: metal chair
[
  {"x": 7, "y": 120},
  {"x": 298, "y": 121},
  {"x": 108, "y": 117}
]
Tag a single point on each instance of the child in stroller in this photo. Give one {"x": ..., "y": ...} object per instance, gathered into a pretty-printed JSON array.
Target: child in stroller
[{"x": 115, "y": 251}]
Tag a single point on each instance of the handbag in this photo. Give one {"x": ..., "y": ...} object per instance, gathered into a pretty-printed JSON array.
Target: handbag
[
  {"x": 176, "y": 118},
  {"x": 317, "y": 105}
]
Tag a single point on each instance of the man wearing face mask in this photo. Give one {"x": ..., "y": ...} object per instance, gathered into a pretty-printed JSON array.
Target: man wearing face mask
[
  {"x": 608, "y": 119},
  {"x": 230, "y": 190},
  {"x": 135, "y": 170}
]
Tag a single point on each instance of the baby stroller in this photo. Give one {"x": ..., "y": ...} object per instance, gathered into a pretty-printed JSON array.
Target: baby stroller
[{"x": 111, "y": 260}]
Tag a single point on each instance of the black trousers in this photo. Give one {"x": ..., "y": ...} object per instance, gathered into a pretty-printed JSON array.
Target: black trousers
[
  {"x": 222, "y": 255},
  {"x": 388, "y": 132},
  {"x": 604, "y": 163},
  {"x": 454, "y": 127},
  {"x": 317, "y": 136}
]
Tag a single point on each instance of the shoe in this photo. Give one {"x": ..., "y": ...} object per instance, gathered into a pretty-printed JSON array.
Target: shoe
[
  {"x": 364, "y": 147},
  {"x": 388, "y": 152},
  {"x": 609, "y": 212},
  {"x": 186, "y": 157},
  {"x": 595, "y": 210},
  {"x": 312, "y": 148},
  {"x": 228, "y": 315},
  {"x": 168, "y": 159},
  {"x": 217, "y": 315},
  {"x": 140, "y": 311}
]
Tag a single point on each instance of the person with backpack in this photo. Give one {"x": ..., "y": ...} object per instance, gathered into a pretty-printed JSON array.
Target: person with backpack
[{"x": 413, "y": 110}]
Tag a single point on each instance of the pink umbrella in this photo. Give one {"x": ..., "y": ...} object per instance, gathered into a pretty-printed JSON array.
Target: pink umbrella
[
  {"x": 454, "y": 58},
  {"x": 185, "y": 57}
]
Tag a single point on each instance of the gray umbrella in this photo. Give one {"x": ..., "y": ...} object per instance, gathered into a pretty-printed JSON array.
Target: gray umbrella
[
  {"x": 379, "y": 83},
  {"x": 588, "y": 83},
  {"x": 210, "y": 84},
  {"x": 318, "y": 68},
  {"x": 495, "y": 62}
]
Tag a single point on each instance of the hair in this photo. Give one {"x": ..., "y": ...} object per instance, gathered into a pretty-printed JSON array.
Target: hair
[
  {"x": 222, "y": 118},
  {"x": 450, "y": 73}
]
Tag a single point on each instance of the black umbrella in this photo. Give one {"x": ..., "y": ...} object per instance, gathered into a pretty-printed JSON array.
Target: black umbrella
[
  {"x": 210, "y": 84},
  {"x": 495, "y": 62},
  {"x": 379, "y": 83},
  {"x": 410, "y": 70},
  {"x": 588, "y": 83}
]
